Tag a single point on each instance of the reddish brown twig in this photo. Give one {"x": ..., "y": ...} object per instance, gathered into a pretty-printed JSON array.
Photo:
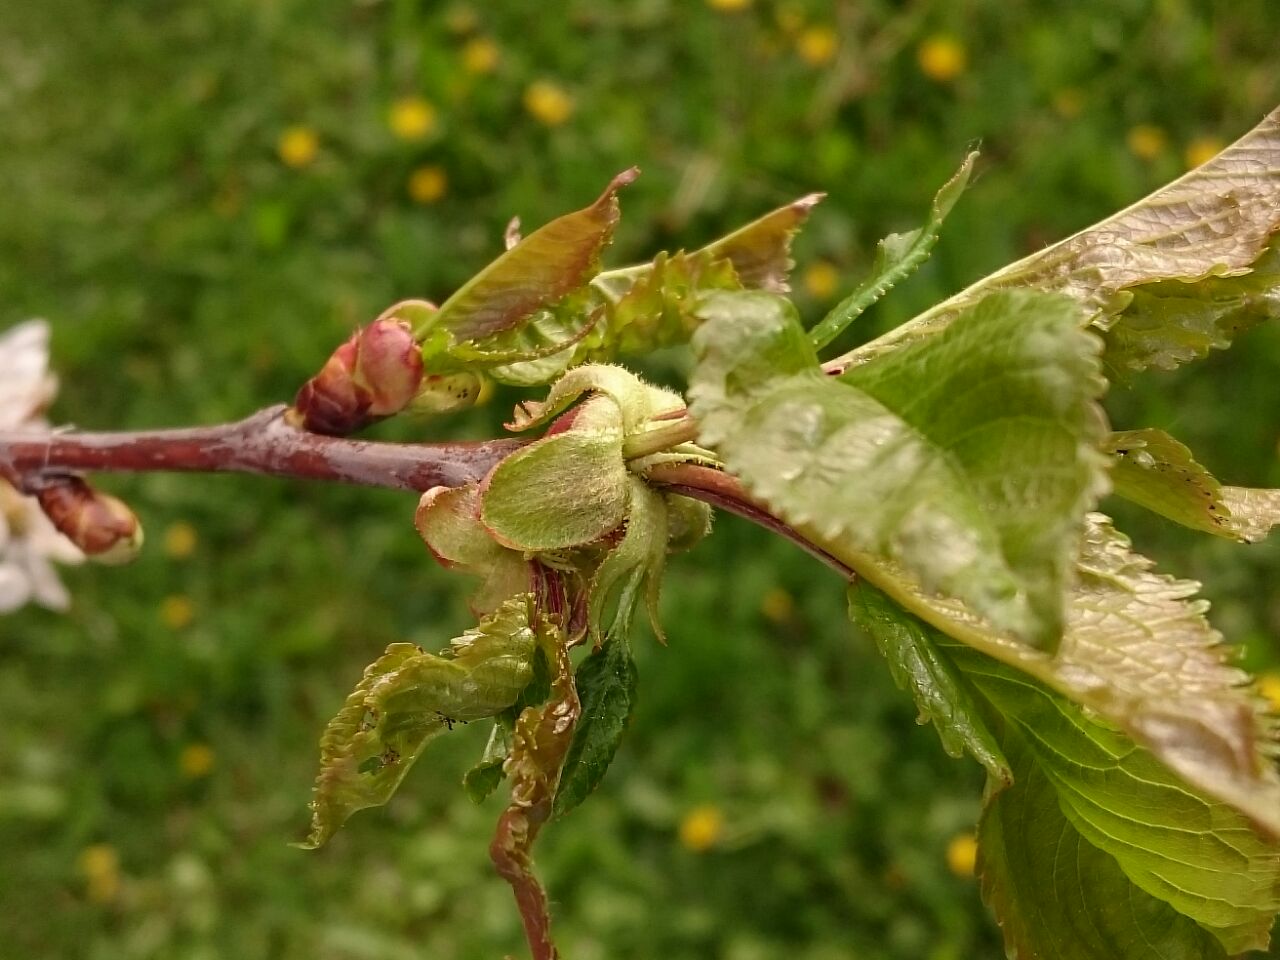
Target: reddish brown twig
[{"x": 262, "y": 443}]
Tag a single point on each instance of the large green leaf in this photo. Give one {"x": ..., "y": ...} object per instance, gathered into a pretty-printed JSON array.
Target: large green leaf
[
  {"x": 966, "y": 462},
  {"x": 1083, "y": 787},
  {"x": 897, "y": 257},
  {"x": 1156, "y": 471},
  {"x": 407, "y": 698},
  {"x": 1213, "y": 222},
  {"x": 1138, "y": 651}
]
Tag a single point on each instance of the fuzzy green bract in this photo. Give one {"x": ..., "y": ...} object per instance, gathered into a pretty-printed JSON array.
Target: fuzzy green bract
[
  {"x": 1171, "y": 277},
  {"x": 965, "y": 462},
  {"x": 1090, "y": 847},
  {"x": 407, "y": 698}
]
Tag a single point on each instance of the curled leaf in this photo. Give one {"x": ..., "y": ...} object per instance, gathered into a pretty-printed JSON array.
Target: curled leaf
[
  {"x": 408, "y": 697},
  {"x": 448, "y": 522}
]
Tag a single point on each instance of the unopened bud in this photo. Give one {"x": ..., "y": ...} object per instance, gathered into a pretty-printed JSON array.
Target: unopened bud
[
  {"x": 99, "y": 524},
  {"x": 374, "y": 374}
]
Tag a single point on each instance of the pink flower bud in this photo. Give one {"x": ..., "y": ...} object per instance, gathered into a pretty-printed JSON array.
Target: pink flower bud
[
  {"x": 375, "y": 374},
  {"x": 99, "y": 524}
]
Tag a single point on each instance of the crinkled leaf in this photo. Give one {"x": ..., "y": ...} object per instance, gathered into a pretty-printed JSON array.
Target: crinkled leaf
[
  {"x": 565, "y": 490},
  {"x": 407, "y": 698},
  {"x": 1172, "y": 322},
  {"x": 485, "y": 777},
  {"x": 607, "y": 688},
  {"x": 1157, "y": 472},
  {"x": 1166, "y": 839},
  {"x": 1212, "y": 222},
  {"x": 967, "y": 460},
  {"x": 1254, "y": 512},
  {"x": 760, "y": 252},
  {"x": 897, "y": 257},
  {"x": 543, "y": 268},
  {"x": 942, "y": 694},
  {"x": 448, "y": 522},
  {"x": 1138, "y": 651}
]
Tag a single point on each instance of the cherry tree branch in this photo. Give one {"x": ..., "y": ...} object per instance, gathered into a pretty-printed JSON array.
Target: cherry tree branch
[{"x": 263, "y": 443}]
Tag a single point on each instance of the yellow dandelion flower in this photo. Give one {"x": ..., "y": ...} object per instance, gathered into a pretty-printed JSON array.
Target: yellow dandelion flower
[
  {"x": 428, "y": 184},
  {"x": 297, "y": 147},
  {"x": 548, "y": 102},
  {"x": 942, "y": 57},
  {"x": 1146, "y": 141},
  {"x": 180, "y": 540},
  {"x": 177, "y": 611},
  {"x": 1269, "y": 687},
  {"x": 729, "y": 6},
  {"x": 411, "y": 118},
  {"x": 962, "y": 854},
  {"x": 777, "y": 606},
  {"x": 99, "y": 864},
  {"x": 821, "y": 280},
  {"x": 1201, "y": 150},
  {"x": 196, "y": 760},
  {"x": 701, "y": 828},
  {"x": 1068, "y": 103},
  {"x": 479, "y": 55},
  {"x": 817, "y": 45}
]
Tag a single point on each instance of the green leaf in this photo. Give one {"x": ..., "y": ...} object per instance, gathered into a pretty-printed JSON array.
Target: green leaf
[
  {"x": 543, "y": 268},
  {"x": 407, "y": 698},
  {"x": 1138, "y": 652},
  {"x": 897, "y": 257},
  {"x": 607, "y": 688},
  {"x": 1213, "y": 222},
  {"x": 1056, "y": 895},
  {"x": 1141, "y": 829},
  {"x": 1157, "y": 472},
  {"x": 941, "y": 692},
  {"x": 966, "y": 462},
  {"x": 637, "y": 401},
  {"x": 1172, "y": 322},
  {"x": 486, "y": 776},
  {"x": 565, "y": 490}
]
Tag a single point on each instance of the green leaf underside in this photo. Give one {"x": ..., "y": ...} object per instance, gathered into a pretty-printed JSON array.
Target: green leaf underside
[
  {"x": 448, "y": 522},
  {"x": 607, "y": 690},
  {"x": 1213, "y": 222},
  {"x": 967, "y": 461},
  {"x": 897, "y": 257},
  {"x": 1138, "y": 651},
  {"x": 1155, "y": 471},
  {"x": 1089, "y": 843},
  {"x": 637, "y": 401},
  {"x": 565, "y": 490},
  {"x": 407, "y": 698},
  {"x": 549, "y": 264}
]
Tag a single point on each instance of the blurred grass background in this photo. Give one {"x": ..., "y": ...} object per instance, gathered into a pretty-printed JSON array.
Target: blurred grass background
[{"x": 204, "y": 198}]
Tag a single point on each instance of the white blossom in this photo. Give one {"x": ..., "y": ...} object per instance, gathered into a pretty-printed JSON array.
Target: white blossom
[{"x": 28, "y": 541}]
